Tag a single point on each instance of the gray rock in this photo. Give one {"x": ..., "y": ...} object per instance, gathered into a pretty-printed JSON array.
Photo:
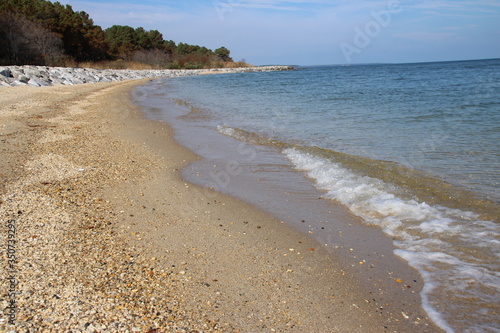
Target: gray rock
[
  {"x": 40, "y": 82},
  {"x": 39, "y": 72},
  {"x": 16, "y": 71},
  {"x": 55, "y": 81},
  {"x": 34, "y": 83},
  {"x": 5, "y": 79},
  {"x": 17, "y": 83},
  {"x": 41, "y": 75},
  {"x": 4, "y": 71},
  {"x": 23, "y": 78}
]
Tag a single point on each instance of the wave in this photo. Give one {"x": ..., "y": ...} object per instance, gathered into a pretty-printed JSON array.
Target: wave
[
  {"x": 451, "y": 248},
  {"x": 447, "y": 233},
  {"x": 247, "y": 136}
]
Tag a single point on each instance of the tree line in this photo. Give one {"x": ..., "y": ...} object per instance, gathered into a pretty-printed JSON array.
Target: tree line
[{"x": 40, "y": 32}]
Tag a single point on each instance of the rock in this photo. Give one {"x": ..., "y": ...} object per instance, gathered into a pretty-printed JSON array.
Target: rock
[
  {"x": 34, "y": 83},
  {"x": 4, "y": 71},
  {"x": 4, "y": 79},
  {"x": 23, "y": 78},
  {"x": 42, "y": 75},
  {"x": 17, "y": 83},
  {"x": 53, "y": 81},
  {"x": 39, "y": 82},
  {"x": 16, "y": 71},
  {"x": 32, "y": 72}
]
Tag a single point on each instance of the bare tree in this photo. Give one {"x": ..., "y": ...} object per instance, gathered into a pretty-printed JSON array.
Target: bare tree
[
  {"x": 27, "y": 43},
  {"x": 48, "y": 45},
  {"x": 155, "y": 58}
]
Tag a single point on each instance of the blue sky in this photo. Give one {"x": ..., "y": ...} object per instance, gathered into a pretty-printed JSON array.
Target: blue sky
[{"x": 318, "y": 31}]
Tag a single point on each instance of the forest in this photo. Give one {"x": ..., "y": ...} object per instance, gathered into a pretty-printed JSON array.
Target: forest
[{"x": 45, "y": 33}]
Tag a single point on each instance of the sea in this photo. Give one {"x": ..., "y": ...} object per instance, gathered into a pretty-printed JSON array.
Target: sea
[{"x": 411, "y": 151}]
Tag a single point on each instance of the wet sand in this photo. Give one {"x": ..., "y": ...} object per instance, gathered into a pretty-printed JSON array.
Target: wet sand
[{"x": 109, "y": 237}]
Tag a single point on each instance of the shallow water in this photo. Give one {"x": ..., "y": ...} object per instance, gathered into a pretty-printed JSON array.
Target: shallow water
[{"x": 411, "y": 149}]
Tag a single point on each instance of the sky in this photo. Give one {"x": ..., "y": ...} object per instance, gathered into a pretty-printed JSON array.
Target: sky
[{"x": 316, "y": 32}]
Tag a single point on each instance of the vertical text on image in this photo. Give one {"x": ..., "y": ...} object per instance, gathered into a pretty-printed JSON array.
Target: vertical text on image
[{"x": 11, "y": 271}]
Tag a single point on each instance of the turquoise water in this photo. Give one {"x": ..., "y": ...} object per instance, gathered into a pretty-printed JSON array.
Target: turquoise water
[{"x": 410, "y": 148}]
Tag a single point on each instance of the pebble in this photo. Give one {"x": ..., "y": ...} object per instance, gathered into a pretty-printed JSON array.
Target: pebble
[{"x": 74, "y": 272}]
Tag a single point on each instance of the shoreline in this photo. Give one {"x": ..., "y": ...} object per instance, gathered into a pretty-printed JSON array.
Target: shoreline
[
  {"x": 262, "y": 176},
  {"x": 111, "y": 238},
  {"x": 39, "y": 76}
]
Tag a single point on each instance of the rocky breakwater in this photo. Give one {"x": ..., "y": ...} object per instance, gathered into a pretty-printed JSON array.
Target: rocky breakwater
[{"x": 47, "y": 76}]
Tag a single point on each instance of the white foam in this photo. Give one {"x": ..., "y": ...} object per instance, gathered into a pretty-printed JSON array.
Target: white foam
[
  {"x": 453, "y": 250},
  {"x": 228, "y": 131}
]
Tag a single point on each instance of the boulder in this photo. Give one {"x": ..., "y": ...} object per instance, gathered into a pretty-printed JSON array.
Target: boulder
[
  {"x": 39, "y": 82},
  {"x": 33, "y": 72},
  {"x": 4, "y": 71},
  {"x": 5, "y": 79},
  {"x": 23, "y": 78},
  {"x": 17, "y": 83}
]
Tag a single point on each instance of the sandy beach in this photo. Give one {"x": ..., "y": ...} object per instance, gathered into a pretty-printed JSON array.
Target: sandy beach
[{"x": 101, "y": 234}]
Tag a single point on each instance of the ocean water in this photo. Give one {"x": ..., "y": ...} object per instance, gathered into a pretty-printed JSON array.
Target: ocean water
[{"x": 412, "y": 149}]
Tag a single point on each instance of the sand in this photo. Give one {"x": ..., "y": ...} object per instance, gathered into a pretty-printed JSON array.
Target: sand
[{"x": 105, "y": 236}]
